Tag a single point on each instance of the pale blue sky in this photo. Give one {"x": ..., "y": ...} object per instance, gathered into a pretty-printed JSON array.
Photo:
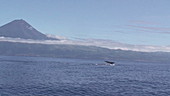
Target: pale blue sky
[{"x": 127, "y": 21}]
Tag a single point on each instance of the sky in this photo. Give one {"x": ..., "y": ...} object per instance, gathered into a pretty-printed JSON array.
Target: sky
[{"x": 138, "y": 22}]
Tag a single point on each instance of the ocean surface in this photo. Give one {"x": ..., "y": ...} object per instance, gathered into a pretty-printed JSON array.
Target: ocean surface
[{"x": 39, "y": 76}]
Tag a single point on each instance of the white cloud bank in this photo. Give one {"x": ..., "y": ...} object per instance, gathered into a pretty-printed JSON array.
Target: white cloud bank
[{"x": 92, "y": 42}]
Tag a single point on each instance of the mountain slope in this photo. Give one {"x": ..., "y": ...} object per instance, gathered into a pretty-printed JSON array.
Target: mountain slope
[
  {"x": 81, "y": 52},
  {"x": 21, "y": 29}
]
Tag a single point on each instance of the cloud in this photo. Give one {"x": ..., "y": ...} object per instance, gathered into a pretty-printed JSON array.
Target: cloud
[
  {"x": 144, "y": 22},
  {"x": 56, "y": 36},
  {"x": 93, "y": 42},
  {"x": 147, "y": 26},
  {"x": 162, "y": 30},
  {"x": 150, "y": 28}
]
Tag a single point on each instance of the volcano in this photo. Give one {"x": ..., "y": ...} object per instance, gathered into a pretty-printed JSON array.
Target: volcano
[{"x": 21, "y": 29}]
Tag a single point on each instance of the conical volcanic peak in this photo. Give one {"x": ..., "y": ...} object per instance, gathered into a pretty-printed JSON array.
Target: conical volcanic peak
[
  {"x": 19, "y": 25},
  {"x": 21, "y": 29},
  {"x": 19, "y": 21}
]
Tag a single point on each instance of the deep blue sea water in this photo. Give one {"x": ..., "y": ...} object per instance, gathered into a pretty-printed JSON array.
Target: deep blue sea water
[{"x": 38, "y": 76}]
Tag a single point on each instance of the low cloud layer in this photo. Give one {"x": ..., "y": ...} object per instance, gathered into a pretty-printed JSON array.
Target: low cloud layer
[{"x": 93, "y": 42}]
